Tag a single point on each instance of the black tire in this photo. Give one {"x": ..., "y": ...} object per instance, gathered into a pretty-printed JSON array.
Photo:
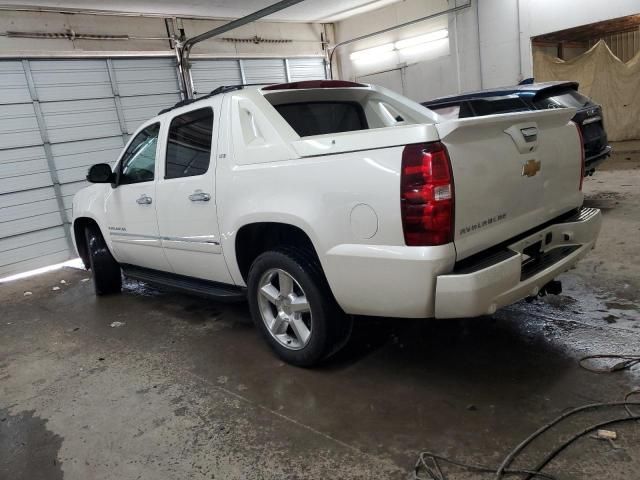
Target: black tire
[
  {"x": 107, "y": 277},
  {"x": 330, "y": 327}
]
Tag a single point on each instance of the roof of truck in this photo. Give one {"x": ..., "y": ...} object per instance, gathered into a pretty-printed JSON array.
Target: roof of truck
[{"x": 306, "y": 84}]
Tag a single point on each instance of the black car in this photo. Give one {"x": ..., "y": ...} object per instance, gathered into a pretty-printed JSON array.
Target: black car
[{"x": 534, "y": 96}]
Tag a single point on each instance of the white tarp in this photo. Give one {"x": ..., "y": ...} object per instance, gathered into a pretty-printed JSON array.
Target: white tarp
[{"x": 607, "y": 80}]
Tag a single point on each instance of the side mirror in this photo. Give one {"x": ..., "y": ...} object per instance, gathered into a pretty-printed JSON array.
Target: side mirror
[{"x": 100, "y": 173}]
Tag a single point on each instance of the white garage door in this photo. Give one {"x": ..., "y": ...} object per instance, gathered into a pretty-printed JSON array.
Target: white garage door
[
  {"x": 306, "y": 69},
  {"x": 58, "y": 117},
  {"x": 210, "y": 74}
]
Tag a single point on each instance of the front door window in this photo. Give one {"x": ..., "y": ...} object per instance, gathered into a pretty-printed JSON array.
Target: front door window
[{"x": 139, "y": 161}]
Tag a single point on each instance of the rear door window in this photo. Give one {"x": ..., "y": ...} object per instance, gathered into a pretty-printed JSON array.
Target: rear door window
[
  {"x": 319, "y": 118},
  {"x": 189, "y": 144}
]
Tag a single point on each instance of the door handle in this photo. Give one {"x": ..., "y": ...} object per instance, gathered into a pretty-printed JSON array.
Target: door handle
[
  {"x": 199, "y": 196},
  {"x": 144, "y": 200}
]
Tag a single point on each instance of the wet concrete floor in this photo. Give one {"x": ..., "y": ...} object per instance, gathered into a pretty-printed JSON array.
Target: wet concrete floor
[{"x": 185, "y": 388}]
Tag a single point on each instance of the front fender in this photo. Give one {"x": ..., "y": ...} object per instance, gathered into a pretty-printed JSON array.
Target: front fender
[{"x": 90, "y": 203}]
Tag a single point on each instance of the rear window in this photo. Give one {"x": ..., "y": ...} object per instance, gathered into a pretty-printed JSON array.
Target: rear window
[
  {"x": 479, "y": 107},
  {"x": 498, "y": 105},
  {"x": 319, "y": 118},
  {"x": 567, "y": 98}
]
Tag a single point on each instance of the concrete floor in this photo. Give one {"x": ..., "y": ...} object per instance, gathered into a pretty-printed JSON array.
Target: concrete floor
[{"x": 186, "y": 389}]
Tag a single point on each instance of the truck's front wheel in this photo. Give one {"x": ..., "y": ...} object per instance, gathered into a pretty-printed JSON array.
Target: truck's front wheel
[
  {"x": 293, "y": 308},
  {"x": 107, "y": 277}
]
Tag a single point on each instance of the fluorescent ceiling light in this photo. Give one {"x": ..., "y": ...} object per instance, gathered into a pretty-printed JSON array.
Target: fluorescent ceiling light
[
  {"x": 371, "y": 53},
  {"x": 420, "y": 39},
  {"x": 422, "y": 48},
  {"x": 408, "y": 46}
]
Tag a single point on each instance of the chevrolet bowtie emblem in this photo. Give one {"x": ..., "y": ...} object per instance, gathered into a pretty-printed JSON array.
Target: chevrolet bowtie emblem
[{"x": 530, "y": 168}]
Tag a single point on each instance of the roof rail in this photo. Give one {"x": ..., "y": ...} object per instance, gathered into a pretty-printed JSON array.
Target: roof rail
[
  {"x": 278, "y": 86},
  {"x": 217, "y": 91},
  {"x": 179, "y": 104}
]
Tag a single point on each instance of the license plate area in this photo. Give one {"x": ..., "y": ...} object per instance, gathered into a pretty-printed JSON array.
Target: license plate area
[
  {"x": 545, "y": 260},
  {"x": 532, "y": 253}
]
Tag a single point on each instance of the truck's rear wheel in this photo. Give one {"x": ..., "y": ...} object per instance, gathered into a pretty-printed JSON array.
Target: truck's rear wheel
[
  {"x": 107, "y": 277},
  {"x": 293, "y": 308}
]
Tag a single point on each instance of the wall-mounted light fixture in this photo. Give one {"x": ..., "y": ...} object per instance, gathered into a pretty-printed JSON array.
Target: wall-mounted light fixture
[{"x": 408, "y": 46}]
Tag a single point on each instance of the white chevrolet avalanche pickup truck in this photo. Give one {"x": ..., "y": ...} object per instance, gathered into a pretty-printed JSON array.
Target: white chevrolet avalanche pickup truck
[{"x": 321, "y": 200}]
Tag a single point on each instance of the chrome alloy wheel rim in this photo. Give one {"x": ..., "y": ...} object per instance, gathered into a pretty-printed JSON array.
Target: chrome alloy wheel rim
[{"x": 284, "y": 309}]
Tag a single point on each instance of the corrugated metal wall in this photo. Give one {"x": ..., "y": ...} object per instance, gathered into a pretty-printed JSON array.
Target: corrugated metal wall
[
  {"x": 306, "y": 69},
  {"x": 210, "y": 74},
  {"x": 59, "y": 116},
  {"x": 32, "y": 230},
  {"x": 624, "y": 45}
]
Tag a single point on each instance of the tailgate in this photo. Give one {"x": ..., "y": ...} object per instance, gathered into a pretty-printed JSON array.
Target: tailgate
[{"x": 511, "y": 173}]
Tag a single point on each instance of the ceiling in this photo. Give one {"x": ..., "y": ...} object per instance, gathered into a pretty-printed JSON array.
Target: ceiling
[{"x": 307, "y": 11}]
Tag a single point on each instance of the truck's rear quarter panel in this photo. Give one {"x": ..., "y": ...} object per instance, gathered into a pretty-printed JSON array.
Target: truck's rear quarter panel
[{"x": 349, "y": 206}]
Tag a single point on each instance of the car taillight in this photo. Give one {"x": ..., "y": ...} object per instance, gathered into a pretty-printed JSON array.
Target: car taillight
[
  {"x": 582, "y": 156},
  {"x": 426, "y": 195}
]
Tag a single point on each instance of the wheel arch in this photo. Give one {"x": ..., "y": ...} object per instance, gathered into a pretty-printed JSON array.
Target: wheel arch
[
  {"x": 79, "y": 226},
  {"x": 253, "y": 239}
]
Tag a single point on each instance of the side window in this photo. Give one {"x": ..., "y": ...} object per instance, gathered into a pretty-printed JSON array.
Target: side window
[
  {"x": 189, "y": 144},
  {"x": 138, "y": 163}
]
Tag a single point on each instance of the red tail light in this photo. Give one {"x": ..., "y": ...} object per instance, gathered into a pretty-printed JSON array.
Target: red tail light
[
  {"x": 582, "y": 156},
  {"x": 426, "y": 195}
]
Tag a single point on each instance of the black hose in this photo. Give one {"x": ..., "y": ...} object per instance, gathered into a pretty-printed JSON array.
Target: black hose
[
  {"x": 437, "y": 474},
  {"x": 590, "y": 428},
  {"x": 629, "y": 395},
  {"x": 509, "y": 458},
  {"x": 627, "y": 362}
]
